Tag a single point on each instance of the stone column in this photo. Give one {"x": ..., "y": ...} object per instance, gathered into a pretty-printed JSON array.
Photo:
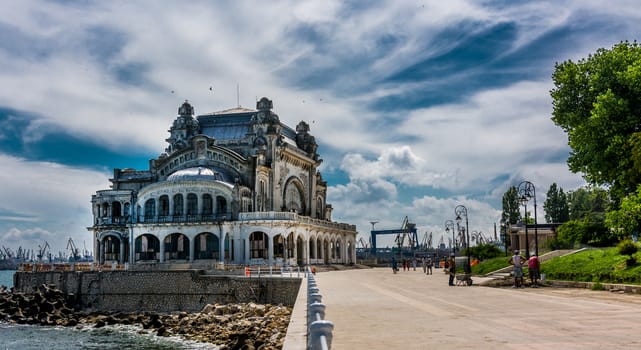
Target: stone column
[
  {"x": 121, "y": 256},
  {"x": 162, "y": 250},
  {"x": 192, "y": 249},
  {"x": 221, "y": 248},
  {"x": 101, "y": 258},
  {"x": 246, "y": 256},
  {"x": 270, "y": 249}
]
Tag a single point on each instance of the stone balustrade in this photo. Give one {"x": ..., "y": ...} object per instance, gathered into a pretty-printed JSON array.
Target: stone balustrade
[{"x": 319, "y": 330}]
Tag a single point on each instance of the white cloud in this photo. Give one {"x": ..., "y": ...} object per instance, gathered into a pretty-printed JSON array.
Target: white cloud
[
  {"x": 46, "y": 202},
  {"x": 474, "y": 147}
]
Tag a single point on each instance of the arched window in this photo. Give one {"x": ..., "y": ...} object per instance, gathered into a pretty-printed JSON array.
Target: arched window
[
  {"x": 164, "y": 205},
  {"x": 116, "y": 211},
  {"x": 294, "y": 199},
  {"x": 221, "y": 206},
  {"x": 192, "y": 204},
  {"x": 150, "y": 209},
  {"x": 207, "y": 204},
  {"x": 179, "y": 205}
]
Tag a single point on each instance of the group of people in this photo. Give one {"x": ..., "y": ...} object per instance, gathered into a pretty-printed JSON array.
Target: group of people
[
  {"x": 533, "y": 266},
  {"x": 516, "y": 260},
  {"x": 426, "y": 262}
]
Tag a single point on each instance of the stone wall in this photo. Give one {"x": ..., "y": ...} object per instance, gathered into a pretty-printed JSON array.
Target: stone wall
[{"x": 162, "y": 291}]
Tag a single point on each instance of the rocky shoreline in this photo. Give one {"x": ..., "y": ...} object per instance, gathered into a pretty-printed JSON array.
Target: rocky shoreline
[{"x": 230, "y": 326}]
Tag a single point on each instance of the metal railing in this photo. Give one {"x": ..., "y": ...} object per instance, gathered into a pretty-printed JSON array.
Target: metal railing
[
  {"x": 319, "y": 330},
  {"x": 272, "y": 271}
]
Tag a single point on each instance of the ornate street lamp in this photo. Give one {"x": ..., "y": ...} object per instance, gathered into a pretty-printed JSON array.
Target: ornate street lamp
[
  {"x": 460, "y": 211},
  {"x": 527, "y": 191},
  {"x": 449, "y": 225}
]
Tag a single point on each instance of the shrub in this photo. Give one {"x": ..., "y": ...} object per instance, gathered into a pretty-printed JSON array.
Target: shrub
[{"x": 627, "y": 247}]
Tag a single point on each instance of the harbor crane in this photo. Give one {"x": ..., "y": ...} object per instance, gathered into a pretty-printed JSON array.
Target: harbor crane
[
  {"x": 407, "y": 229},
  {"x": 42, "y": 251},
  {"x": 75, "y": 254}
]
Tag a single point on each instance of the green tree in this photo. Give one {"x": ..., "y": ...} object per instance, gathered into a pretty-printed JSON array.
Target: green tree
[
  {"x": 511, "y": 207},
  {"x": 556, "y": 205},
  {"x": 511, "y": 213},
  {"x": 597, "y": 101},
  {"x": 627, "y": 219},
  {"x": 587, "y": 208},
  {"x": 588, "y": 202}
]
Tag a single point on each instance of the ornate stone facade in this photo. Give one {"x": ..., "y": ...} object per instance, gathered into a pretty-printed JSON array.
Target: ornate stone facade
[{"x": 236, "y": 186}]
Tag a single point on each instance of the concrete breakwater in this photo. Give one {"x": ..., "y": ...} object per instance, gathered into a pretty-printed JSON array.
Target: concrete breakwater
[
  {"x": 159, "y": 291},
  {"x": 230, "y": 326}
]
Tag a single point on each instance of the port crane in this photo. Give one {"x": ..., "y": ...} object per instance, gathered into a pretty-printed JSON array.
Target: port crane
[
  {"x": 42, "y": 251},
  {"x": 75, "y": 253},
  {"x": 407, "y": 229}
]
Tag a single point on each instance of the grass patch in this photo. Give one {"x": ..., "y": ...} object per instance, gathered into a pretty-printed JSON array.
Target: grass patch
[
  {"x": 489, "y": 265},
  {"x": 594, "y": 265}
]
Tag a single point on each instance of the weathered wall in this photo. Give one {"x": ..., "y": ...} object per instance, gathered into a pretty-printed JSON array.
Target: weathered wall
[{"x": 163, "y": 291}]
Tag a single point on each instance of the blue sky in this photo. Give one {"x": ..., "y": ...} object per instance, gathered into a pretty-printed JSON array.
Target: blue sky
[{"x": 417, "y": 106}]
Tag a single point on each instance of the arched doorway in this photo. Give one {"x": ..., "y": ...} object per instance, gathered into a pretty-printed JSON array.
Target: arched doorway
[
  {"x": 279, "y": 247},
  {"x": 258, "y": 244},
  {"x": 147, "y": 247},
  {"x": 206, "y": 246},
  {"x": 176, "y": 247},
  {"x": 112, "y": 248}
]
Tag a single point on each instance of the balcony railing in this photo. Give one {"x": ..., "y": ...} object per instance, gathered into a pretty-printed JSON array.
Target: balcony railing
[
  {"x": 184, "y": 218},
  {"x": 280, "y": 215},
  {"x": 249, "y": 216},
  {"x": 118, "y": 220}
]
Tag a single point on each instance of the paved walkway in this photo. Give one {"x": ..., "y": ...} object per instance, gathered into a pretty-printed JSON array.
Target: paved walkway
[{"x": 376, "y": 309}]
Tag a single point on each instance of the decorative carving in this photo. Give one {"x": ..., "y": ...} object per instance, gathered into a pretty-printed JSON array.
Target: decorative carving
[{"x": 305, "y": 141}]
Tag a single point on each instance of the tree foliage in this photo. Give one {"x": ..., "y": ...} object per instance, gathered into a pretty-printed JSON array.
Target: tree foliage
[
  {"x": 556, "y": 205},
  {"x": 627, "y": 219},
  {"x": 511, "y": 213},
  {"x": 511, "y": 207},
  {"x": 586, "y": 232},
  {"x": 597, "y": 101},
  {"x": 590, "y": 202},
  {"x": 587, "y": 208}
]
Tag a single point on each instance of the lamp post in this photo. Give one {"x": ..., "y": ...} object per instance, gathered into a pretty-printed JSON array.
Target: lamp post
[
  {"x": 527, "y": 191},
  {"x": 460, "y": 211},
  {"x": 449, "y": 225}
]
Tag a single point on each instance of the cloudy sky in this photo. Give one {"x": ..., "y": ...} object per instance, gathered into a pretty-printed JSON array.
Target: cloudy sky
[{"x": 418, "y": 106}]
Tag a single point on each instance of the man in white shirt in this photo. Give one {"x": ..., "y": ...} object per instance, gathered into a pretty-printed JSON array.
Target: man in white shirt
[{"x": 517, "y": 261}]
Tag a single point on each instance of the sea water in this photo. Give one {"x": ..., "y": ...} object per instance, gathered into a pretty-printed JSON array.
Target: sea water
[
  {"x": 27, "y": 337},
  {"x": 117, "y": 337},
  {"x": 6, "y": 278}
]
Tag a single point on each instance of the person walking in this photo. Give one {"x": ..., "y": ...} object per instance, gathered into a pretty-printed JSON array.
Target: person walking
[
  {"x": 429, "y": 263},
  {"x": 394, "y": 265},
  {"x": 452, "y": 266},
  {"x": 424, "y": 264},
  {"x": 517, "y": 261},
  {"x": 533, "y": 267},
  {"x": 414, "y": 263}
]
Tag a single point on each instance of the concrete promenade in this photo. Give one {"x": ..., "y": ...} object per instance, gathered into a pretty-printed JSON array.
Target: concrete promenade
[{"x": 376, "y": 309}]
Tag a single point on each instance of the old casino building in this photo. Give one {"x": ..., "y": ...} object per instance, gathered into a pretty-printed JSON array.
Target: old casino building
[{"x": 234, "y": 187}]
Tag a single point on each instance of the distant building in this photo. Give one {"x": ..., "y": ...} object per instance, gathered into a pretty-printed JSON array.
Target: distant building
[
  {"x": 236, "y": 186},
  {"x": 544, "y": 232}
]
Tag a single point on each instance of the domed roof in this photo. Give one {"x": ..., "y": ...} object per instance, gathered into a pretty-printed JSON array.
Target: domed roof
[{"x": 199, "y": 173}]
